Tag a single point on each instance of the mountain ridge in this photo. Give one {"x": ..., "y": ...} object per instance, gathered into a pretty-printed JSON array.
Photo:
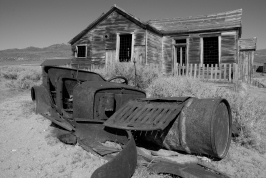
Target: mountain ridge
[
  {"x": 64, "y": 51},
  {"x": 35, "y": 53}
]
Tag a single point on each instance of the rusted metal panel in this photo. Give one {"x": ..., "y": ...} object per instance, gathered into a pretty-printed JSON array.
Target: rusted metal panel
[
  {"x": 88, "y": 95},
  {"x": 197, "y": 126},
  {"x": 228, "y": 48},
  {"x": 92, "y": 137},
  {"x": 186, "y": 170},
  {"x": 146, "y": 114}
]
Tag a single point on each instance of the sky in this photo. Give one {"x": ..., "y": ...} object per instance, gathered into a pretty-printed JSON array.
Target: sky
[{"x": 41, "y": 23}]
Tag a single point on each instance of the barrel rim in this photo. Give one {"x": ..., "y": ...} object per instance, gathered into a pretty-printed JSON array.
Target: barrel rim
[{"x": 221, "y": 156}]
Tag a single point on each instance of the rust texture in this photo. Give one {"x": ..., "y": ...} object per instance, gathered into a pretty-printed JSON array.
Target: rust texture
[
  {"x": 146, "y": 114},
  {"x": 94, "y": 110}
]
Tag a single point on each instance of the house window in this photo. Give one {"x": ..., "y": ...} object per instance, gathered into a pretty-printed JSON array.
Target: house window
[
  {"x": 125, "y": 48},
  {"x": 181, "y": 51},
  {"x": 81, "y": 51},
  {"x": 211, "y": 50}
]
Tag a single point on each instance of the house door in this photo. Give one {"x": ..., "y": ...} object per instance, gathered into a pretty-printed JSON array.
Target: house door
[
  {"x": 109, "y": 58},
  {"x": 181, "y": 57},
  {"x": 245, "y": 65}
]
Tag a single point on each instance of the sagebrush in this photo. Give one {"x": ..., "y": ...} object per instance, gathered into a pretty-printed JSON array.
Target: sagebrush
[
  {"x": 140, "y": 76},
  {"x": 20, "y": 77},
  {"x": 246, "y": 110}
]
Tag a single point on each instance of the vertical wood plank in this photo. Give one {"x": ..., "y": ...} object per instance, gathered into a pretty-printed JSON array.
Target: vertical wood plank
[
  {"x": 191, "y": 66},
  {"x": 187, "y": 69},
  {"x": 207, "y": 76},
  {"x": 203, "y": 71},
  {"x": 236, "y": 72},
  {"x": 220, "y": 72},
  {"x": 199, "y": 71},
  {"x": 195, "y": 70},
  {"x": 229, "y": 75},
  {"x": 215, "y": 74},
  {"x": 225, "y": 71},
  {"x": 179, "y": 69},
  {"x": 211, "y": 70}
]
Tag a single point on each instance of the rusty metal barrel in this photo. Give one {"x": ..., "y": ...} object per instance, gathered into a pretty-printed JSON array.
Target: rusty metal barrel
[
  {"x": 192, "y": 125},
  {"x": 202, "y": 127}
]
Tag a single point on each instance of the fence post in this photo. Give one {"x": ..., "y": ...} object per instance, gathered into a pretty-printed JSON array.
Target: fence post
[
  {"x": 207, "y": 76},
  {"x": 187, "y": 69},
  {"x": 203, "y": 71},
  {"x": 178, "y": 69},
  {"x": 235, "y": 73},
  {"x": 195, "y": 70},
  {"x": 191, "y": 70},
  {"x": 225, "y": 71},
  {"x": 215, "y": 74},
  {"x": 229, "y": 75},
  {"x": 211, "y": 70},
  {"x": 220, "y": 72}
]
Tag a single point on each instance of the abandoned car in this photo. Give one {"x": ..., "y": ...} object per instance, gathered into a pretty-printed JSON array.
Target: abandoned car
[{"x": 94, "y": 110}]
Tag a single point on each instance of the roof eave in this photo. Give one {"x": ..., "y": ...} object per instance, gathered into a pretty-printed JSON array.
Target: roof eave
[
  {"x": 104, "y": 15},
  {"x": 201, "y": 30}
]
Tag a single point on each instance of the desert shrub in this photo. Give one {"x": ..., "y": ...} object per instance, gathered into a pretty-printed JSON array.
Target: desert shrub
[
  {"x": 10, "y": 72},
  {"x": 145, "y": 74},
  {"x": 21, "y": 78},
  {"x": 246, "y": 110}
]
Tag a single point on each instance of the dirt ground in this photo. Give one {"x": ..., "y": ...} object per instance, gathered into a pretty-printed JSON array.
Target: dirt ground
[{"x": 29, "y": 148}]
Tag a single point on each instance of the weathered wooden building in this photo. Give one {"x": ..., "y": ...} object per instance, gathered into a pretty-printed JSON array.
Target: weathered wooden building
[
  {"x": 118, "y": 36},
  {"x": 247, "y": 48}
]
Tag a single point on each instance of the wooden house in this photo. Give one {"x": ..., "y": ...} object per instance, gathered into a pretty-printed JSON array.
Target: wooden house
[{"x": 118, "y": 36}]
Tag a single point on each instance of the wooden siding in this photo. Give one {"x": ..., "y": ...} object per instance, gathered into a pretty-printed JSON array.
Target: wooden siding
[
  {"x": 167, "y": 54},
  {"x": 103, "y": 36},
  {"x": 194, "y": 50},
  {"x": 228, "y": 48},
  {"x": 154, "y": 48},
  {"x": 247, "y": 44},
  {"x": 245, "y": 64},
  {"x": 139, "y": 55}
]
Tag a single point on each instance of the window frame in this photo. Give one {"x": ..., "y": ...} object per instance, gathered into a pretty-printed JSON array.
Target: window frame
[
  {"x": 118, "y": 46},
  {"x": 86, "y": 50},
  {"x": 181, "y": 45},
  {"x": 202, "y": 48}
]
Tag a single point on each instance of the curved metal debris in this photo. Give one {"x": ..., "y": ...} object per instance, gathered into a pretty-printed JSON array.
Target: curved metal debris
[
  {"x": 185, "y": 170},
  {"x": 95, "y": 111}
]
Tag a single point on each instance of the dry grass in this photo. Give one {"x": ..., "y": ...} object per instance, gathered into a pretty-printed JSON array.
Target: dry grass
[
  {"x": 20, "y": 77},
  {"x": 144, "y": 74},
  {"x": 246, "y": 109}
]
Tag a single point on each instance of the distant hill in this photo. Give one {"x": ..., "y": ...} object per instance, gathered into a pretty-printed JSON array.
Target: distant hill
[
  {"x": 64, "y": 51},
  {"x": 36, "y": 54},
  {"x": 260, "y": 56}
]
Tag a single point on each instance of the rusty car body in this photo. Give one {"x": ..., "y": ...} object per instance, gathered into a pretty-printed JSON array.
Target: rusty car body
[{"x": 95, "y": 110}]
